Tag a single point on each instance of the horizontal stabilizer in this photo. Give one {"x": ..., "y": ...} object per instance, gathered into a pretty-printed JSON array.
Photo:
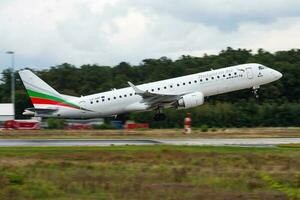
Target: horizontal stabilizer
[{"x": 40, "y": 111}]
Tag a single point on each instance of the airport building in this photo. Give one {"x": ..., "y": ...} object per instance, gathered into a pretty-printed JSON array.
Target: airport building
[{"x": 6, "y": 111}]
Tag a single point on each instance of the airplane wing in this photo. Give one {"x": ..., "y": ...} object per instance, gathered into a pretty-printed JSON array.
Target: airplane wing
[{"x": 155, "y": 99}]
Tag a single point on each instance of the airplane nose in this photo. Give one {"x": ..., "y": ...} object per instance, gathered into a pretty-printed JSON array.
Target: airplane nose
[{"x": 277, "y": 74}]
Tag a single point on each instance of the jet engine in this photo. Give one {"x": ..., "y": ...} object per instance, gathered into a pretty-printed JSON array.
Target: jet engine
[{"x": 190, "y": 100}]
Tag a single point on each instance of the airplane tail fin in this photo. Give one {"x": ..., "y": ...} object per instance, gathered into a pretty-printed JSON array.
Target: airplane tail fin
[{"x": 41, "y": 94}]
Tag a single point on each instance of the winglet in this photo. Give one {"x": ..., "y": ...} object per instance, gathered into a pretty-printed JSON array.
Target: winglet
[{"x": 136, "y": 89}]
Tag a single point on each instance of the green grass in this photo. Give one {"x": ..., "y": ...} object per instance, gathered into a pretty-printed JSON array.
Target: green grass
[
  {"x": 148, "y": 148},
  {"x": 149, "y": 172}
]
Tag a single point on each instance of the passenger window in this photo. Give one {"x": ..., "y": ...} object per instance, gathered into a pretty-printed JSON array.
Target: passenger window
[
  {"x": 97, "y": 101},
  {"x": 102, "y": 100},
  {"x": 223, "y": 75},
  {"x": 115, "y": 97},
  {"x": 152, "y": 90},
  {"x": 196, "y": 81},
  {"x": 190, "y": 82},
  {"x": 165, "y": 87},
  {"x": 130, "y": 94},
  {"x": 218, "y": 76},
  {"x": 206, "y": 79},
  {"x": 183, "y": 84},
  {"x": 212, "y": 78},
  {"x": 108, "y": 99},
  {"x": 200, "y": 80},
  {"x": 178, "y": 85},
  {"x": 120, "y": 96}
]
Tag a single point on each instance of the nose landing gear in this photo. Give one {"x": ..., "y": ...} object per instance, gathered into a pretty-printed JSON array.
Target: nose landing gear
[{"x": 255, "y": 91}]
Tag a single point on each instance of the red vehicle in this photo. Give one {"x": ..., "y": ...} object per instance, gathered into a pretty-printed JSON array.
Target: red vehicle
[
  {"x": 135, "y": 126},
  {"x": 22, "y": 124}
]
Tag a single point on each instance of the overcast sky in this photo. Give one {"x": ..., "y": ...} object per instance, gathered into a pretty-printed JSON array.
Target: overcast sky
[{"x": 45, "y": 33}]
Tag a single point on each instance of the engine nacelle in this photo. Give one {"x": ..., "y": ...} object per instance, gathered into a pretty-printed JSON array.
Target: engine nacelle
[{"x": 190, "y": 100}]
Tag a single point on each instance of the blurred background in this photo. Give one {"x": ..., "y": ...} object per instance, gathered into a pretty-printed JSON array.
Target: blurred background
[{"x": 278, "y": 104}]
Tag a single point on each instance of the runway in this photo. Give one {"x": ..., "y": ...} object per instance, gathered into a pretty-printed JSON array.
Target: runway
[
  {"x": 73, "y": 142},
  {"x": 233, "y": 142},
  {"x": 251, "y": 142}
]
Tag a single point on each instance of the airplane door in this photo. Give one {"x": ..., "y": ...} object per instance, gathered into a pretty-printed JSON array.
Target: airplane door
[{"x": 249, "y": 72}]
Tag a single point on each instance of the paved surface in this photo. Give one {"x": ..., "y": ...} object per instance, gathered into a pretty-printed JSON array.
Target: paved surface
[
  {"x": 72, "y": 142},
  {"x": 108, "y": 142},
  {"x": 233, "y": 142}
]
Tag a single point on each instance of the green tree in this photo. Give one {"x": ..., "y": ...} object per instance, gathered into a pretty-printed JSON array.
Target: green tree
[{"x": 278, "y": 104}]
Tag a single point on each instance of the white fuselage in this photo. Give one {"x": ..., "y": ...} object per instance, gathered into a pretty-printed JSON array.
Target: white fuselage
[{"x": 209, "y": 83}]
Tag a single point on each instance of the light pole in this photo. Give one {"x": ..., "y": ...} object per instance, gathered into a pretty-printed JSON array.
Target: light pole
[{"x": 12, "y": 79}]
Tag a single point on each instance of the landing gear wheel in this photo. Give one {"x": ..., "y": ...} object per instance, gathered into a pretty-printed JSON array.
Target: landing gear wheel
[
  {"x": 255, "y": 91},
  {"x": 159, "y": 117}
]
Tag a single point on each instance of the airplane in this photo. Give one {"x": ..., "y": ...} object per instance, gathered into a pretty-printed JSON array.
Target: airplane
[{"x": 181, "y": 93}]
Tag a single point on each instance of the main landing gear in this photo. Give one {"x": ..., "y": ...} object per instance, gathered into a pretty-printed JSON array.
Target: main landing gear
[
  {"x": 255, "y": 91},
  {"x": 159, "y": 116}
]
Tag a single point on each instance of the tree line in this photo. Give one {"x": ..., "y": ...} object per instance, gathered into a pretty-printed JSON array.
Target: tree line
[{"x": 278, "y": 104}]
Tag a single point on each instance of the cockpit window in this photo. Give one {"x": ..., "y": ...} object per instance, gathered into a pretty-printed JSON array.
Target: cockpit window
[{"x": 261, "y": 67}]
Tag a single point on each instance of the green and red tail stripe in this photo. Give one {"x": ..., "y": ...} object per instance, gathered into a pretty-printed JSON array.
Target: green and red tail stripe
[{"x": 40, "y": 98}]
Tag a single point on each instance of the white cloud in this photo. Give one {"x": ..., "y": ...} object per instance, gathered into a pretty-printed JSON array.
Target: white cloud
[{"x": 47, "y": 32}]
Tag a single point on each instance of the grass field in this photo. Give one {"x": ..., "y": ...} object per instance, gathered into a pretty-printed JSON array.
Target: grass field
[
  {"x": 154, "y": 133},
  {"x": 150, "y": 172}
]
